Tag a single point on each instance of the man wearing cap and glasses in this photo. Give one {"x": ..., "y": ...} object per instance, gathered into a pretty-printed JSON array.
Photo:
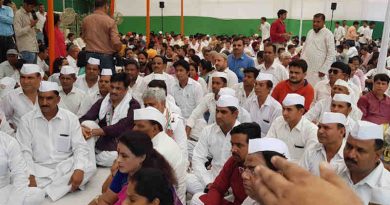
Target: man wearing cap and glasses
[
  {"x": 325, "y": 105},
  {"x": 89, "y": 82},
  {"x": 114, "y": 115},
  {"x": 230, "y": 175},
  {"x": 263, "y": 108},
  {"x": 152, "y": 122},
  {"x": 56, "y": 153},
  {"x": 72, "y": 98},
  {"x": 214, "y": 142},
  {"x": 330, "y": 146},
  {"x": 260, "y": 152},
  {"x": 23, "y": 99},
  {"x": 294, "y": 129},
  {"x": 7, "y": 68},
  {"x": 364, "y": 171}
]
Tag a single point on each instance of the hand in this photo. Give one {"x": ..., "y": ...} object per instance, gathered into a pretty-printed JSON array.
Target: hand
[
  {"x": 321, "y": 75},
  {"x": 97, "y": 132},
  {"x": 209, "y": 185},
  {"x": 76, "y": 179},
  {"x": 87, "y": 132},
  {"x": 32, "y": 183},
  {"x": 297, "y": 186},
  {"x": 33, "y": 22},
  {"x": 188, "y": 131}
]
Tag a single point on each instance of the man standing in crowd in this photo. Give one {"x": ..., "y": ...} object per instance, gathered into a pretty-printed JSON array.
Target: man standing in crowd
[
  {"x": 319, "y": 50},
  {"x": 265, "y": 28},
  {"x": 41, "y": 15},
  {"x": 278, "y": 33},
  {"x": 24, "y": 25},
  {"x": 339, "y": 33},
  {"x": 6, "y": 31},
  {"x": 238, "y": 60},
  {"x": 100, "y": 33}
]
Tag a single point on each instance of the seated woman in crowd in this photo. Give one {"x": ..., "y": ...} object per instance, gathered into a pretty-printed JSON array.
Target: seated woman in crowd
[{"x": 135, "y": 151}]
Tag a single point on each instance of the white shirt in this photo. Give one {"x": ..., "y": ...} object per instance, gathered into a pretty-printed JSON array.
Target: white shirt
[
  {"x": 374, "y": 188},
  {"x": 215, "y": 144},
  {"x": 352, "y": 51},
  {"x": 241, "y": 94},
  {"x": 264, "y": 115},
  {"x": 265, "y": 30},
  {"x": 277, "y": 70},
  {"x": 73, "y": 101},
  {"x": 249, "y": 201},
  {"x": 231, "y": 81},
  {"x": 45, "y": 144},
  {"x": 317, "y": 110},
  {"x": 314, "y": 155},
  {"x": 42, "y": 64},
  {"x": 41, "y": 21},
  {"x": 366, "y": 32},
  {"x": 319, "y": 50},
  {"x": 302, "y": 136},
  {"x": 16, "y": 104},
  {"x": 169, "y": 80},
  {"x": 339, "y": 33},
  {"x": 81, "y": 83},
  {"x": 169, "y": 149},
  {"x": 203, "y": 83},
  {"x": 4, "y": 125},
  {"x": 176, "y": 125},
  {"x": 73, "y": 63},
  {"x": 322, "y": 90},
  {"x": 13, "y": 170},
  {"x": 195, "y": 47},
  {"x": 136, "y": 89},
  {"x": 187, "y": 98},
  {"x": 80, "y": 43}
]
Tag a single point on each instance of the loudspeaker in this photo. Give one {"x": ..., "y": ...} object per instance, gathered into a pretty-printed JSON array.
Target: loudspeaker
[
  {"x": 162, "y": 5},
  {"x": 333, "y": 6}
]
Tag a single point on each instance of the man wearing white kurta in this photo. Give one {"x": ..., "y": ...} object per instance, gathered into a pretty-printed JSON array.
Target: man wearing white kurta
[
  {"x": 23, "y": 99},
  {"x": 330, "y": 146},
  {"x": 132, "y": 67},
  {"x": 89, "y": 81},
  {"x": 53, "y": 146},
  {"x": 319, "y": 50},
  {"x": 159, "y": 64},
  {"x": 265, "y": 29},
  {"x": 214, "y": 143},
  {"x": 294, "y": 129},
  {"x": 245, "y": 90},
  {"x": 13, "y": 166},
  {"x": 4, "y": 125},
  {"x": 72, "y": 98},
  {"x": 271, "y": 66},
  {"x": 151, "y": 121},
  {"x": 221, "y": 65},
  {"x": 187, "y": 92},
  {"x": 339, "y": 33},
  {"x": 175, "y": 125},
  {"x": 263, "y": 108},
  {"x": 364, "y": 171}
]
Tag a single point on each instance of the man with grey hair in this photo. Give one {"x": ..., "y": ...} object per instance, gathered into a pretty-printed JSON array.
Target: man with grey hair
[
  {"x": 221, "y": 65},
  {"x": 175, "y": 127},
  {"x": 73, "y": 52},
  {"x": 285, "y": 59}
]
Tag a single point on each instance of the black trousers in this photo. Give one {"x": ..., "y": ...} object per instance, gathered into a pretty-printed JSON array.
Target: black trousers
[{"x": 6, "y": 43}]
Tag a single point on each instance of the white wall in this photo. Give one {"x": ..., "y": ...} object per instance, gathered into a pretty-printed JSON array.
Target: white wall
[{"x": 254, "y": 9}]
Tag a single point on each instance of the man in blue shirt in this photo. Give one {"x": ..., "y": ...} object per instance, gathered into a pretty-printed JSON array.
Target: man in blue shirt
[
  {"x": 6, "y": 30},
  {"x": 238, "y": 60}
]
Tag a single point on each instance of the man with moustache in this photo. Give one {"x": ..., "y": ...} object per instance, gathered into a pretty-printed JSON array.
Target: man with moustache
[
  {"x": 132, "y": 68},
  {"x": 114, "y": 115},
  {"x": 89, "y": 82},
  {"x": 364, "y": 171},
  {"x": 260, "y": 152},
  {"x": 230, "y": 175},
  {"x": 238, "y": 60}
]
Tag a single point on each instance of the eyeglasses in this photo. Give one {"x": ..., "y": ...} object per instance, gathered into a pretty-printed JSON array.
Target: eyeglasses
[
  {"x": 249, "y": 170},
  {"x": 334, "y": 71}
]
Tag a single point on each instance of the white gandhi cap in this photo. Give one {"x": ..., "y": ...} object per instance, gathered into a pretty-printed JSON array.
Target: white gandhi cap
[
  {"x": 150, "y": 113},
  {"x": 268, "y": 144},
  {"x": 227, "y": 91},
  {"x": 67, "y": 70},
  {"x": 333, "y": 117},
  {"x": 343, "y": 83},
  {"x": 47, "y": 86},
  {"x": 342, "y": 98},
  {"x": 264, "y": 76},
  {"x": 219, "y": 75},
  {"x": 106, "y": 71},
  {"x": 28, "y": 69},
  {"x": 93, "y": 61},
  {"x": 364, "y": 130},
  {"x": 293, "y": 99},
  {"x": 228, "y": 101}
]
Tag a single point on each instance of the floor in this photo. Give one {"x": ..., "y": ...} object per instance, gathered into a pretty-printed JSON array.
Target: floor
[{"x": 93, "y": 188}]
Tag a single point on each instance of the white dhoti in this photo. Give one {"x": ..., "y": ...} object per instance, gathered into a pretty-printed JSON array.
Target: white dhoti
[
  {"x": 196, "y": 132},
  {"x": 33, "y": 196},
  {"x": 55, "y": 181},
  {"x": 101, "y": 158},
  {"x": 313, "y": 78},
  {"x": 194, "y": 184}
]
